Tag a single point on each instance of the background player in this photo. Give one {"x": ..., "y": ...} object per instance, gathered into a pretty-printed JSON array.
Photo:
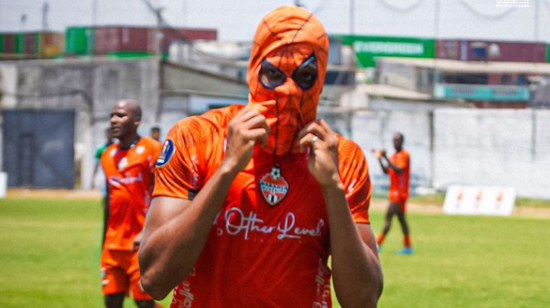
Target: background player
[
  {"x": 398, "y": 168},
  {"x": 245, "y": 196},
  {"x": 103, "y": 185},
  {"x": 128, "y": 170},
  {"x": 108, "y": 141},
  {"x": 155, "y": 133}
]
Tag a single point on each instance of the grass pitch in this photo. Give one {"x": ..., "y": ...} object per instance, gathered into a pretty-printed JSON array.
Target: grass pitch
[{"x": 49, "y": 257}]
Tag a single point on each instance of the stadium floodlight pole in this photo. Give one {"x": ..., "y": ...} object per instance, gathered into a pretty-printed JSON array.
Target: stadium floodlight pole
[
  {"x": 536, "y": 21},
  {"x": 351, "y": 15},
  {"x": 184, "y": 12},
  {"x": 94, "y": 13},
  {"x": 45, "y": 10},
  {"x": 159, "y": 21},
  {"x": 158, "y": 33},
  {"x": 22, "y": 21}
]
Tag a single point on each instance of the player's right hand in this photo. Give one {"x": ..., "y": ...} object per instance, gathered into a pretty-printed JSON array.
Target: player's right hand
[
  {"x": 247, "y": 127},
  {"x": 378, "y": 153}
]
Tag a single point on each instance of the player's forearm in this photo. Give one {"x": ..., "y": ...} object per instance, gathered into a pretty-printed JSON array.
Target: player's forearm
[
  {"x": 357, "y": 274},
  {"x": 384, "y": 167},
  {"x": 170, "y": 253}
]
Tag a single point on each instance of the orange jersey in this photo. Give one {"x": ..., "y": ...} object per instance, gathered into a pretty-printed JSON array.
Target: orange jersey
[
  {"x": 269, "y": 244},
  {"x": 128, "y": 182},
  {"x": 399, "y": 182}
]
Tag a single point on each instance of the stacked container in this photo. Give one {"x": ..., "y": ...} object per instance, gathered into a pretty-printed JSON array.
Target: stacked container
[
  {"x": 472, "y": 50},
  {"x": 32, "y": 44},
  {"x": 138, "y": 41},
  {"x": 109, "y": 40},
  {"x": 51, "y": 44},
  {"x": 79, "y": 41}
]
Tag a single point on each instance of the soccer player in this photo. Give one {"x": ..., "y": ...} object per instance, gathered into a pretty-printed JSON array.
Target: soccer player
[
  {"x": 109, "y": 140},
  {"x": 155, "y": 133},
  {"x": 128, "y": 167},
  {"x": 250, "y": 201},
  {"x": 398, "y": 168}
]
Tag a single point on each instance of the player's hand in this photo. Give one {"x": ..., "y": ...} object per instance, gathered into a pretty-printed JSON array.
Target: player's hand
[
  {"x": 378, "y": 153},
  {"x": 245, "y": 129},
  {"x": 137, "y": 241},
  {"x": 323, "y": 154}
]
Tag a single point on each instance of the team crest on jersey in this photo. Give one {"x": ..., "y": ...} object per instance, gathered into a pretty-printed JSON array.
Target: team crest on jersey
[
  {"x": 166, "y": 154},
  {"x": 123, "y": 163},
  {"x": 273, "y": 186}
]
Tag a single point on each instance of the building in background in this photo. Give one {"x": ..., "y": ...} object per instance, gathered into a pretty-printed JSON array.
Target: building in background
[{"x": 480, "y": 83}]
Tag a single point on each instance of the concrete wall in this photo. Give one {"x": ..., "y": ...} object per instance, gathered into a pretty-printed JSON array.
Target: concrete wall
[
  {"x": 459, "y": 146},
  {"x": 493, "y": 147},
  {"x": 90, "y": 87}
]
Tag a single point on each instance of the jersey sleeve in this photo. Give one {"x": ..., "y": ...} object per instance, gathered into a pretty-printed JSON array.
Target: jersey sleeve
[
  {"x": 98, "y": 152},
  {"x": 177, "y": 172},
  {"x": 354, "y": 172},
  {"x": 402, "y": 160}
]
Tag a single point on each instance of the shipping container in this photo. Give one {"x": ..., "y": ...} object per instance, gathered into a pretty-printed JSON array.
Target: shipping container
[
  {"x": 31, "y": 43},
  {"x": 19, "y": 43},
  {"x": 548, "y": 53},
  {"x": 79, "y": 40},
  {"x": 52, "y": 44},
  {"x": 9, "y": 43},
  {"x": 447, "y": 49},
  {"x": 122, "y": 39},
  {"x": 476, "y": 50}
]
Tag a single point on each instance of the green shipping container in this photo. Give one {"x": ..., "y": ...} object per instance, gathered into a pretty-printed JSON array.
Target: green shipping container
[
  {"x": 368, "y": 48},
  {"x": 19, "y": 43},
  {"x": 548, "y": 53},
  {"x": 79, "y": 40},
  {"x": 1, "y": 43},
  {"x": 39, "y": 43}
]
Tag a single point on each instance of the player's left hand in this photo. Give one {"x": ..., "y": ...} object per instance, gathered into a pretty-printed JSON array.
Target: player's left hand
[{"x": 323, "y": 155}]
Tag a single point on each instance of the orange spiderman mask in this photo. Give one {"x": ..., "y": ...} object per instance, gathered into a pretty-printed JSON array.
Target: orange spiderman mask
[{"x": 288, "y": 64}]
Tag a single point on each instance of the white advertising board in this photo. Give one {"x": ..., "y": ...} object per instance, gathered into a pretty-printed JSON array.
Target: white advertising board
[
  {"x": 3, "y": 184},
  {"x": 474, "y": 200}
]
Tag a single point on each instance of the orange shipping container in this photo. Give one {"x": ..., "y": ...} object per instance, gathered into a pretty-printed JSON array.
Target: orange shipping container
[{"x": 52, "y": 44}]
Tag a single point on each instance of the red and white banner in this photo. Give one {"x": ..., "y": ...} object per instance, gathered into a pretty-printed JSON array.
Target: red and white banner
[{"x": 473, "y": 200}]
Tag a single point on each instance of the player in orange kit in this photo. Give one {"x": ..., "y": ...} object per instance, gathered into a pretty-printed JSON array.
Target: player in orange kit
[
  {"x": 128, "y": 170},
  {"x": 250, "y": 201},
  {"x": 398, "y": 168}
]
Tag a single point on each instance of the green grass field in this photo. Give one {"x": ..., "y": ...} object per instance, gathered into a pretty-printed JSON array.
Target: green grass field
[{"x": 49, "y": 255}]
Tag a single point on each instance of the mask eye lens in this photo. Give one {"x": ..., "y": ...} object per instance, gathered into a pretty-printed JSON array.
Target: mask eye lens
[
  {"x": 270, "y": 76},
  {"x": 306, "y": 74}
]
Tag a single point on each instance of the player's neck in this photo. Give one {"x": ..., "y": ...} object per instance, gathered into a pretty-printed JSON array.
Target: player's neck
[{"x": 128, "y": 142}]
